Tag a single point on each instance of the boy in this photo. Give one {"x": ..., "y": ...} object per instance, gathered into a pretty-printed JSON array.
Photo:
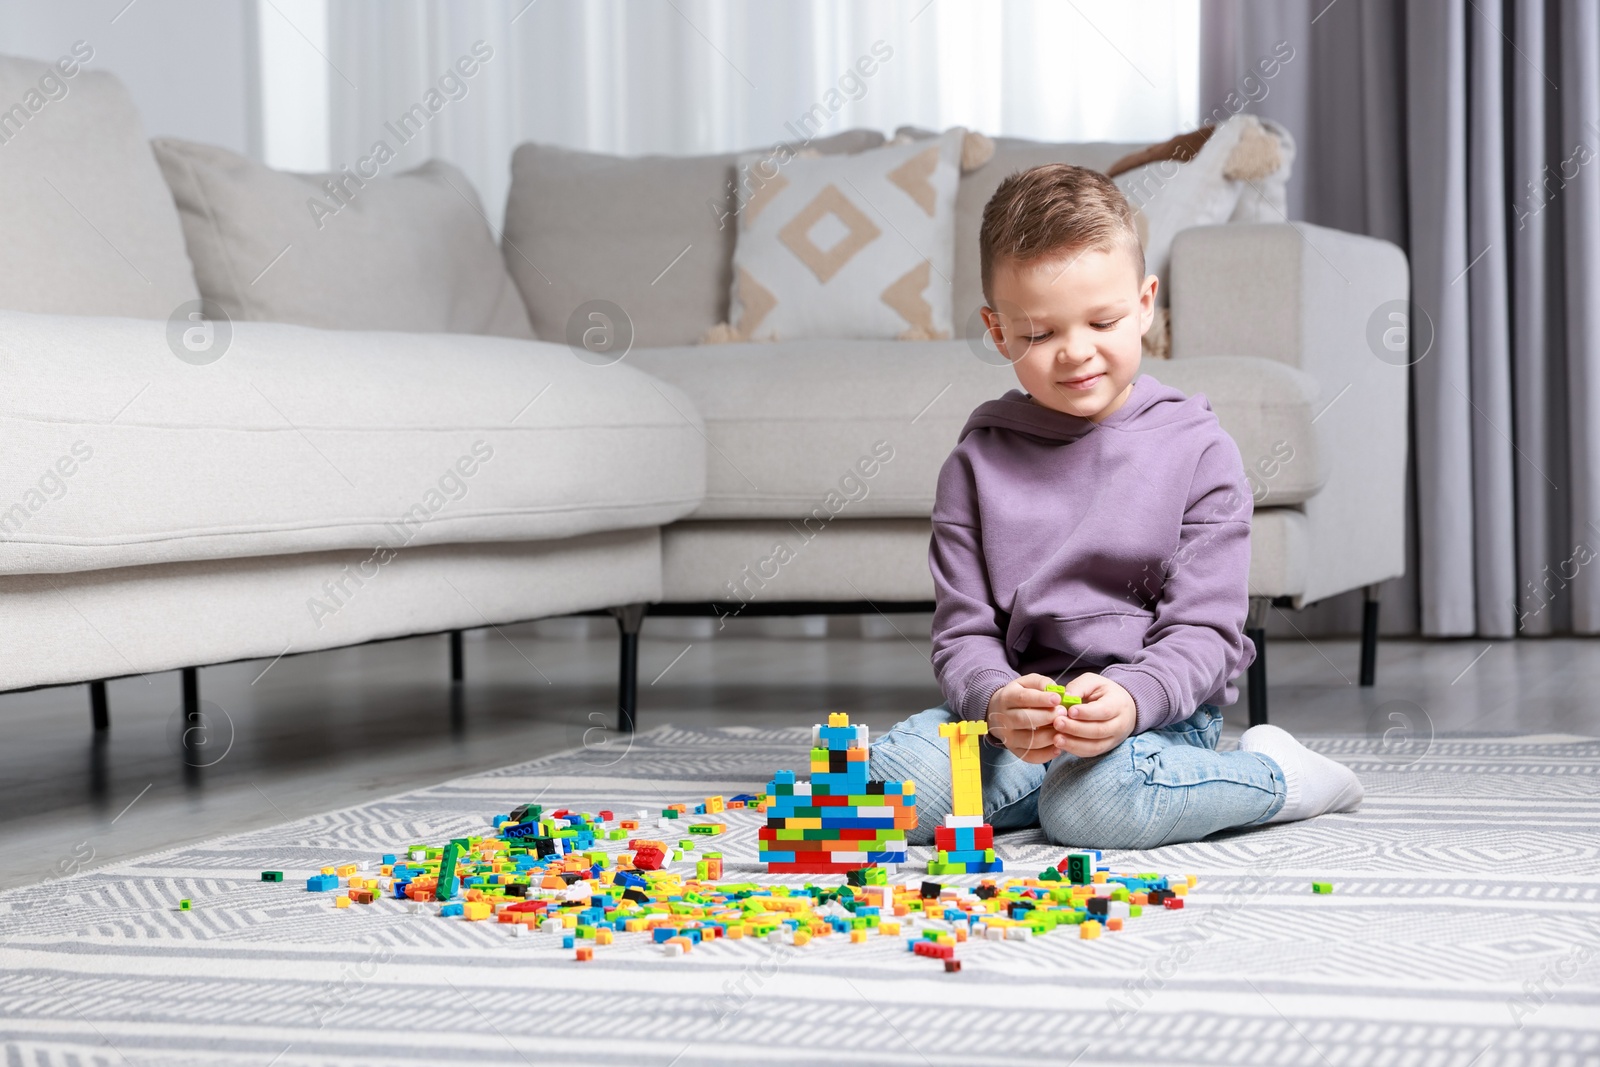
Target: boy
[{"x": 1094, "y": 528}]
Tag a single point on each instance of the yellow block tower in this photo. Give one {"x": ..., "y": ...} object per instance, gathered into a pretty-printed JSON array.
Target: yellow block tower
[{"x": 965, "y": 843}]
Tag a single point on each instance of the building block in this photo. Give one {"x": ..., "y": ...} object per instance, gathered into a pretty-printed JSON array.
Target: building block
[
  {"x": 965, "y": 843},
  {"x": 839, "y": 820},
  {"x": 1067, "y": 699},
  {"x": 1322, "y": 888},
  {"x": 563, "y": 880},
  {"x": 447, "y": 882},
  {"x": 272, "y": 876},
  {"x": 1078, "y": 867}
]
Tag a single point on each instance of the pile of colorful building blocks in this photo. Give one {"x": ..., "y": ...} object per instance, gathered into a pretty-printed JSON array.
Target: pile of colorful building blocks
[
  {"x": 555, "y": 871},
  {"x": 838, "y": 821},
  {"x": 551, "y": 872}
]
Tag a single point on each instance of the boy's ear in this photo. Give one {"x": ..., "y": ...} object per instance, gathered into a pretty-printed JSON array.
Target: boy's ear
[
  {"x": 991, "y": 320},
  {"x": 1147, "y": 303}
]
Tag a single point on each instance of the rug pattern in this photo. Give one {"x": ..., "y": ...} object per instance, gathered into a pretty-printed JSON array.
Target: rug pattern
[{"x": 1464, "y": 930}]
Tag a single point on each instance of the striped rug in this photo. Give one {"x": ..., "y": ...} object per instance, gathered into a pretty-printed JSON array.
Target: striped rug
[{"x": 1464, "y": 929}]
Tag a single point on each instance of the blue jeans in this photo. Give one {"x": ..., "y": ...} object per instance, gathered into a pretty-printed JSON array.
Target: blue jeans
[{"x": 1156, "y": 788}]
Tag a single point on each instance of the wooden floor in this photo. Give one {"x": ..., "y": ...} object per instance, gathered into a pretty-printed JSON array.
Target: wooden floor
[{"x": 318, "y": 732}]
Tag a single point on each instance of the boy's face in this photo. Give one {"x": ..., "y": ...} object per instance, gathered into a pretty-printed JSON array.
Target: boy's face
[{"x": 1071, "y": 327}]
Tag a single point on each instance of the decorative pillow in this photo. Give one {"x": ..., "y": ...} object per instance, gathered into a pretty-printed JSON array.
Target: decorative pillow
[
  {"x": 1266, "y": 199},
  {"x": 1182, "y": 148},
  {"x": 652, "y": 234},
  {"x": 849, "y": 247},
  {"x": 1168, "y": 196},
  {"x": 411, "y": 252}
]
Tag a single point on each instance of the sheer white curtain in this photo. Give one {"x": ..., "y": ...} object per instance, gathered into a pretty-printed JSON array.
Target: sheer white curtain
[{"x": 694, "y": 76}]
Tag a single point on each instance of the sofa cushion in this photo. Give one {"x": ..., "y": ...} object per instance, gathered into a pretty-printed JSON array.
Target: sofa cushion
[
  {"x": 851, "y": 246},
  {"x": 1171, "y": 195},
  {"x": 119, "y": 453},
  {"x": 756, "y": 562},
  {"x": 1268, "y": 408},
  {"x": 653, "y": 235},
  {"x": 1267, "y": 200},
  {"x": 751, "y": 563},
  {"x": 411, "y": 251},
  {"x": 90, "y": 227},
  {"x": 1011, "y": 154},
  {"x": 861, "y": 428},
  {"x": 76, "y": 627}
]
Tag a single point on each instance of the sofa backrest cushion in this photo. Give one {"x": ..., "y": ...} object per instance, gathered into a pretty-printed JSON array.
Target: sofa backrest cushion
[
  {"x": 653, "y": 235},
  {"x": 1011, "y": 154},
  {"x": 352, "y": 250},
  {"x": 90, "y": 228}
]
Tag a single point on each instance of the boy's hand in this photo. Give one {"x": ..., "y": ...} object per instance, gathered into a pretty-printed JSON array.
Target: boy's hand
[
  {"x": 1102, "y": 722},
  {"x": 1023, "y": 717}
]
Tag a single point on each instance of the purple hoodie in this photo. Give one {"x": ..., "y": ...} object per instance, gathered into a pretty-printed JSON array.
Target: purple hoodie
[{"x": 1061, "y": 546}]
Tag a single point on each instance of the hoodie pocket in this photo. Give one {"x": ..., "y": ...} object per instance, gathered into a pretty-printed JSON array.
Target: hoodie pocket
[{"x": 1100, "y": 637}]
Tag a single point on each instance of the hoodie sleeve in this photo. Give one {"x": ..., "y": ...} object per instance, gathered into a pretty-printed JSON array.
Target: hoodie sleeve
[
  {"x": 969, "y": 652},
  {"x": 1196, "y": 642}
]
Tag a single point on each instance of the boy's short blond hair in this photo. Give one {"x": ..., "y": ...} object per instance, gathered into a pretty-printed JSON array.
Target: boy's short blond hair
[{"x": 1054, "y": 210}]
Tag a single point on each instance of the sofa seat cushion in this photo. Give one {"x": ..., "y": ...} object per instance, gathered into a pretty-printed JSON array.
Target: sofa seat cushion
[
  {"x": 859, "y": 429},
  {"x": 746, "y": 565},
  {"x": 750, "y": 564},
  {"x": 63, "y": 628},
  {"x": 1280, "y": 553},
  {"x": 1269, "y": 409},
  {"x": 119, "y": 453}
]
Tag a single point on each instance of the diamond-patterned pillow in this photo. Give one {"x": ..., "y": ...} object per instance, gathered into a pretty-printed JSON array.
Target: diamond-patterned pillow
[{"x": 858, "y": 246}]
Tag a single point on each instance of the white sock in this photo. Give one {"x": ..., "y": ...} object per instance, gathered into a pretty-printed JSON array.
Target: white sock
[{"x": 1316, "y": 784}]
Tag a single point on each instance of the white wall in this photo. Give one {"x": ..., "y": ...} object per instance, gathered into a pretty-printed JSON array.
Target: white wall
[{"x": 189, "y": 64}]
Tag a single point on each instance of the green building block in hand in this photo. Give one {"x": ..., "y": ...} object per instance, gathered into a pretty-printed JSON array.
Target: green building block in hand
[{"x": 1066, "y": 697}]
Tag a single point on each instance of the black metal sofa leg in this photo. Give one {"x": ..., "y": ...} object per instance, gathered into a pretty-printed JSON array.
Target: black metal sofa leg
[
  {"x": 630, "y": 619},
  {"x": 1255, "y": 628},
  {"x": 1369, "y": 637},
  {"x": 458, "y": 666},
  {"x": 99, "y": 709}
]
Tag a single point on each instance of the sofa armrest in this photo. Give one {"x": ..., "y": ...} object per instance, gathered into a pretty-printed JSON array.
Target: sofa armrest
[{"x": 1320, "y": 300}]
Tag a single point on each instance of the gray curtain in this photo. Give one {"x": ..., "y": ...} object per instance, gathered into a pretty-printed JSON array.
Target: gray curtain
[{"x": 1467, "y": 132}]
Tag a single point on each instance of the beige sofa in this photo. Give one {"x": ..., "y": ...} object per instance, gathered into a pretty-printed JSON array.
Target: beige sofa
[
  {"x": 1271, "y": 321},
  {"x": 177, "y": 492},
  {"x": 382, "y": 460}
]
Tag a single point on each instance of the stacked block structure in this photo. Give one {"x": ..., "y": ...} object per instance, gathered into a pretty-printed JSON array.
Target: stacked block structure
[
  {"x": 965, "y": 843},
  {"x": 839, "y": 821}
]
